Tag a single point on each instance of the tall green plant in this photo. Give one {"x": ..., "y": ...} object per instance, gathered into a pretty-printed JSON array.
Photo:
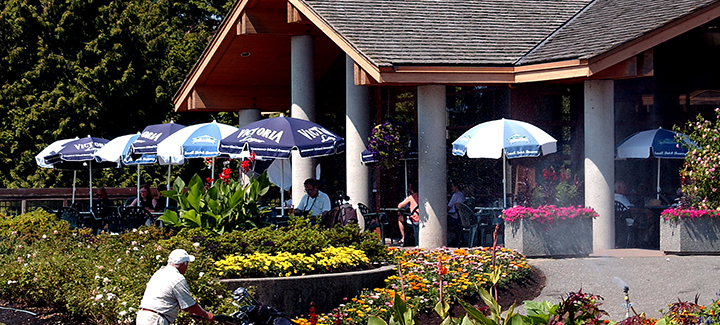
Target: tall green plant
[{"x": 225, "y": 206}]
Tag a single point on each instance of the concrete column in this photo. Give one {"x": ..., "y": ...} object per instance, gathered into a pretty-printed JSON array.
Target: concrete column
[
  {"x": 599, "y": 160},
  {"x": 432, "y": 166},
  {"x": 247, "y": 116},
  {"x": 357, "y": 128},
  {"x": 302, "y": 84}
]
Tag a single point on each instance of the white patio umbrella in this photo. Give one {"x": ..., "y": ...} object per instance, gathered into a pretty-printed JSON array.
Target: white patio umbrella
[
  {"x": 504, "y": 138},
  {"x": 118, "y": 151},
  {"x": 77, "y": 154},
  {"x": 658, "y": 143},
  {"x": 194, "y": 141},
  {"x": 51, "y": 149}
]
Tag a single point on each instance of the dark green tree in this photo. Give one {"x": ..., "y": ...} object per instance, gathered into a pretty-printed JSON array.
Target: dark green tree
[{"x": 86, "y": 67}]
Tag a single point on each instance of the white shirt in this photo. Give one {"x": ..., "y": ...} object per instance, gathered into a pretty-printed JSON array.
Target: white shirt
[
  {"x": 623, "y": 199},
  {"x": 166, "y": 293},
  {"x": 316, "y": 206},
  {"x": 457, "y": 197}
]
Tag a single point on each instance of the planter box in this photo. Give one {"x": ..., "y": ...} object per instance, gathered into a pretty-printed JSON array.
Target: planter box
[
  {"x": 293, "y": 295},
  {"x": 561, "y": 238},
  {"x": 690, "y": 236}
]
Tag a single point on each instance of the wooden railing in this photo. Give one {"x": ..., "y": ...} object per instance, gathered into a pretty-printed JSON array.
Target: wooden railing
[{"x": 20, "y": 200}]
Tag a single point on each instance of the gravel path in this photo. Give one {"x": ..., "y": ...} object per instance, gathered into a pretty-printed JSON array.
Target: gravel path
[{"x": 655, "y": 280}]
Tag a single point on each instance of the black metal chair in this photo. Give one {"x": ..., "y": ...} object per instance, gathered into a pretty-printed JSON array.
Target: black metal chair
[
  {"x": 134, "y": 217},
  {"x": 374, "y": 220},
  {"x": 469, "y": 221},
  {"x": 624, "y": 225},
  {"x": 407, "y": 221},
  {"x": 72, "y": 216}
]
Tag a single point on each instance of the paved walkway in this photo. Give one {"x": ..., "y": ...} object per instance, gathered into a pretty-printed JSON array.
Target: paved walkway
[{"x": 655, "y": 280}]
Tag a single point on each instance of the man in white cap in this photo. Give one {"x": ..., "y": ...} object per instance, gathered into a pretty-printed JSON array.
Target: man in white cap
[{"x": 167, "y": 292}]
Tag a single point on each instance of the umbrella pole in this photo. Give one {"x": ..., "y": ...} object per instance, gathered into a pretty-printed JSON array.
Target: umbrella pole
[
  {"x": 406, "y": 177},
  {"x": 658, "y": 180},
  {"x": 74, "y": 178},
  {"x": 137, "y": 192},
  {"x": 504, "y": 181},
  {"x": 282, "y": 187},
  {"x": 212, "y": 169},
  {"x": 90, "y": 169},
  {"x": 167, "y": 199}
]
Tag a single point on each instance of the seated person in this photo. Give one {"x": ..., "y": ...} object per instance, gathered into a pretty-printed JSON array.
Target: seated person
[
  {"x": 314, "y": 202},
  {"x": 102, "y": 199},
  {"x": 453, "y": 220},
  {"x": 414, "y": 218},
  {"x": 147, "y": 201},
  {"x": 644, "y": 221}
]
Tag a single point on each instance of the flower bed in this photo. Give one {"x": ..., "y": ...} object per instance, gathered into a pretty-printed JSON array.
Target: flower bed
[
  {"x": 465, "y": 272},
  {"x": 549, "y": 230}
]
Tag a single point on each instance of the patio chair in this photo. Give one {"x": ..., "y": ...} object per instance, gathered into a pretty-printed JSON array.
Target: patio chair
[
  {"x": 624, "y": 225},
  {"x": 134, "y": 217},
  {"x": 469, "y": 221},
  {"x": 71, "y": 215},
  {"x": 374, "y": 220}
]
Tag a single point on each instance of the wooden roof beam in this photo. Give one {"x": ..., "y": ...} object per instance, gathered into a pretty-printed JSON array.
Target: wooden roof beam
[
  {"x": 267, "y": 22},
  {"x": 227, "y": 98}
]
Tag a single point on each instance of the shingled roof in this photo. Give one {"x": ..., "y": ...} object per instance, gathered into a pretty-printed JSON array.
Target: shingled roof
[
  {"x": 606, "y": 24},
  {"x": 493, "y": 32}
]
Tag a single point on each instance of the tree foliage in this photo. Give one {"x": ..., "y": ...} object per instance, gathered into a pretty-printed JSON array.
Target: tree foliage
[{"x": 92, "y": 67}]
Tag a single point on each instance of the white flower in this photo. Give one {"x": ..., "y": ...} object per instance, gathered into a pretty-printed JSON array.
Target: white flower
[
  {"x": 122, "y": 313},
  {"x": 14, "y": 233},
  {"x": 124, "y": 303},
  {"x": 201, "y": 274},
  {"x": 119, "y": 260},
  {"x": 98, "y": 297},
  {"x": 106, "y": 280},
  {"x": 196, "y": 244},
  {"x": 135, "y": 248},
  {"x": 97, "y": 277},
  {"x": 44, "y": 236},
  {"x": 157, "y": 257},
  {"x": 134, "y": 230},
  {"x": 110, "y": 296},
  {"x": 134, "y": 243},
  {"x": 11, "y": 281},
  {"x": 55, "y": 232}
]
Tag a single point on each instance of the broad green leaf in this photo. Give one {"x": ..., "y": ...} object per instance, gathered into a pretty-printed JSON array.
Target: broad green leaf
[
  {"x": 475, "y": 314},
  {"x": 170, "y": 218},
  {"x": 442, "y": 308},
  {"x": 192, "y": 219},
  {"x": 374, "y": 320}
]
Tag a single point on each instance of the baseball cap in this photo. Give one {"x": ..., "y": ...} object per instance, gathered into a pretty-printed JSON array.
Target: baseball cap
[{"x": 180, "y": 256}]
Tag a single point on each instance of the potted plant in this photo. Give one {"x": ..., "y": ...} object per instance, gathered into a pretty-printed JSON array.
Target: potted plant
[
  {"x": 549, "y": 230},
  {"x": 690, "y": 231}
]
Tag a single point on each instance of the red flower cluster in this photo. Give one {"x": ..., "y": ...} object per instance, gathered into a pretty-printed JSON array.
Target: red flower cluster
[
  {"x": 225, "y": 175},
  {"x": 246, "y": 164}
]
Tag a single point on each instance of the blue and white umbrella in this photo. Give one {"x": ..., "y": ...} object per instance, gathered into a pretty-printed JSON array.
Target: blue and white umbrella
[
  {"x": 504, "y": 138},
  {"x": 276, "y": 138},
  {"x": 49, "y": 150},
  {"x": 659, "y": 143},
  {"x": 146, "y": 144},
  {"x": 152, "y": 135},
  {"x": 76, "y": 154},
  {"x": 118, "y": 151},
  {"x": 195, "y": 141}
]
